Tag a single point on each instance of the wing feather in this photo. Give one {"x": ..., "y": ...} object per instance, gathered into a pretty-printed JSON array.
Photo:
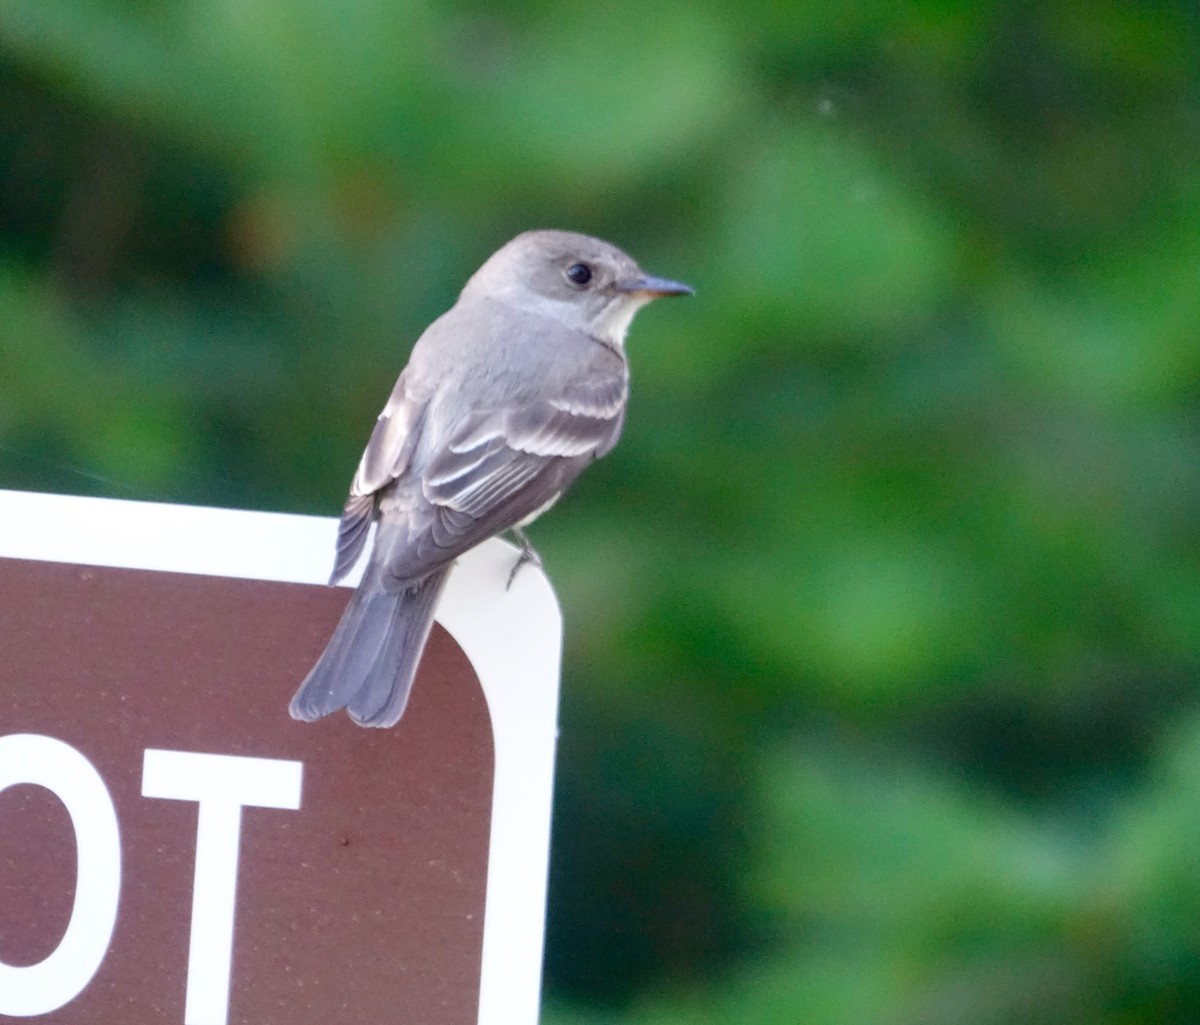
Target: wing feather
[
  {"x": 385, "y": 459},
  {"x": 549, "y": 431},
  {"x": 498, "y": 469},
  {"x": 443, "y": 478},
  {"x": 390, "y": 447}
]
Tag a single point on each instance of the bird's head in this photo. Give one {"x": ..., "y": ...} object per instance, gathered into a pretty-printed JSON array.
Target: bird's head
[{"x": 587, "y": 283}]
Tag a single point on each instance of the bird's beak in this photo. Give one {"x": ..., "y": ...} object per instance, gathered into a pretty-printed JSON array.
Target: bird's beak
[{"x": 653, "y": 287}]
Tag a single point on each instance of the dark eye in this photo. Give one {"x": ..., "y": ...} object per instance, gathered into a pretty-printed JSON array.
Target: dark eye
[{"x": 579, "y": 273}]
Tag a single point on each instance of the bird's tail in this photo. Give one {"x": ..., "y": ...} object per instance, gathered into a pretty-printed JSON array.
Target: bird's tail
[{"x": 370, "y": 662}]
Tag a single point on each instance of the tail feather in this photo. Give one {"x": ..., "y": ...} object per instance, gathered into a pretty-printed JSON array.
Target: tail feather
[{"x": 369, "y": 665}]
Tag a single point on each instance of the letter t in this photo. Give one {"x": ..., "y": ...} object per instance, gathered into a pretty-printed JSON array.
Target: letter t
[{"x": 222, "y": 785}]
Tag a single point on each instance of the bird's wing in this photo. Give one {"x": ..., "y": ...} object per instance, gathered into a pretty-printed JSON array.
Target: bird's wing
[
  {"x": 385, "y": 458},
  {"x": 501, "y": 467}
]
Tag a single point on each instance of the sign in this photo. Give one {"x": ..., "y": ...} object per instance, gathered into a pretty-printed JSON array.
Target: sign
[{"x": 175, "y": 848}]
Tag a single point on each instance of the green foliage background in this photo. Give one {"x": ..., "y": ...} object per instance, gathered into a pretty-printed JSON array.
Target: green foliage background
[{"x": 883, "y": 621}]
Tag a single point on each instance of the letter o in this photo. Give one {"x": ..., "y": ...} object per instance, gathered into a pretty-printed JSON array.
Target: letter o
[{"x": 47, "y": 985}]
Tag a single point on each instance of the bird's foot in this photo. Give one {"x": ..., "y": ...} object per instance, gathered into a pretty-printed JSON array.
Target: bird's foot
[{"x": 528, "y": 555}]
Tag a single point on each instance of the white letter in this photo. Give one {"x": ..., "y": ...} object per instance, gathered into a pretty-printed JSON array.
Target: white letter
[
  {"x": 49, "y": 763},
  {"x": 223, "y": 785}
]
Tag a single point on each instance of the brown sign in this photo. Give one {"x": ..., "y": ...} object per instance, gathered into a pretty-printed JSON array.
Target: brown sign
[{"x": 175, "y": 848}]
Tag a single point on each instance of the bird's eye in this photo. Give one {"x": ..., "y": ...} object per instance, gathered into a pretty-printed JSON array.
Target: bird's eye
[{"x": 579, "y": 274}]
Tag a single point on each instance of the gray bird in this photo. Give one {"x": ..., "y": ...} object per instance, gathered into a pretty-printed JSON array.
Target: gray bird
[{"x": 506, "y": 398}]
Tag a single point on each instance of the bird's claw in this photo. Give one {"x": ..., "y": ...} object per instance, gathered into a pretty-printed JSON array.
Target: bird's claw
[{"x": 528, "y": 555}]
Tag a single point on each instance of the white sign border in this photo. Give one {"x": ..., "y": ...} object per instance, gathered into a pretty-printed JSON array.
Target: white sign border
[{"x": 512, "y": 637}]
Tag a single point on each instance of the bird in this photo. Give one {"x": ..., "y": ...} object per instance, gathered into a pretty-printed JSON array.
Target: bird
[{"x": 506, "y": 398}]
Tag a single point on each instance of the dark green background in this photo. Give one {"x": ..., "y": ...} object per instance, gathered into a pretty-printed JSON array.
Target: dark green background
[{"x": 883, "y": 621}]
